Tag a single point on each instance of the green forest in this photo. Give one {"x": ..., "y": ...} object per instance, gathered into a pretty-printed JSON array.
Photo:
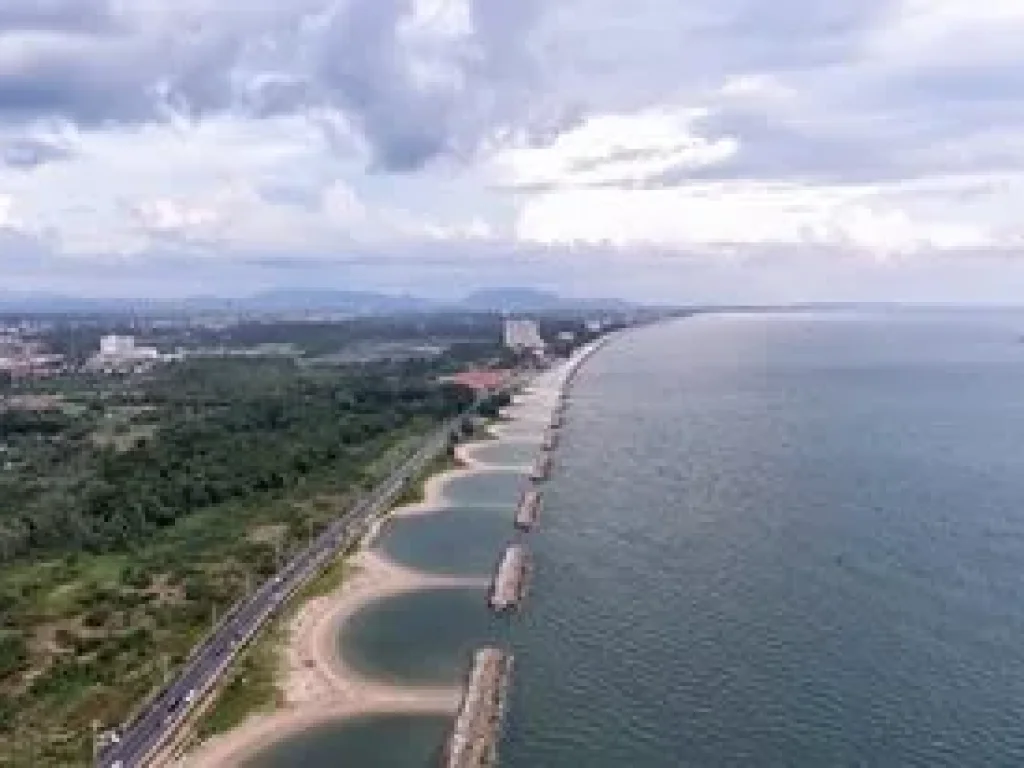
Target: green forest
[{"x": 135, "y": 510}]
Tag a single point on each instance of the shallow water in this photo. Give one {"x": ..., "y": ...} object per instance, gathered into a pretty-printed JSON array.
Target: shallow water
[
  {"x": 421, "y": 638},
  {"x": 460, "y": 541},
  {"x": 392, "y": 741},
  {"x": 506, "y": 452},
  {"x": 484, "y": 488}
]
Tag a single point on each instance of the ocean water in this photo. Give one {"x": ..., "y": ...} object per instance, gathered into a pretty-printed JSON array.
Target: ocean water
[
  {"x": 772, "y": 540},
  {"x": 784, "y": 541}
]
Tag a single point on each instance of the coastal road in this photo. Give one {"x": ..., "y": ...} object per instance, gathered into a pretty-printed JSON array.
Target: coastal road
[{"x": 209, "y": 661}]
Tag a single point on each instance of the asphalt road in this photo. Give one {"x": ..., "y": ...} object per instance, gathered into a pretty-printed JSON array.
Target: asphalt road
[{"x": 211, "y": 659}]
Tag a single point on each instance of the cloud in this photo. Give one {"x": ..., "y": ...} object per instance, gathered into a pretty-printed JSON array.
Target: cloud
[
  {"x": 7, "y": 220},
  {"x": 71, "y": 16},
  {"x": 627, "y": 150},
  {"x": 742, "y": 214},
  {"x": 174, "y": 218},
  {"x": 28, "y": 152},
  {"x": 430, "y": 78},
  {"x": 555, "y": 136},
  {"x": 419, "y": 78}
]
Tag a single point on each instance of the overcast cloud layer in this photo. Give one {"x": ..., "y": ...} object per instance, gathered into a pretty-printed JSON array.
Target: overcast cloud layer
[{"x": 708, "y": 150}]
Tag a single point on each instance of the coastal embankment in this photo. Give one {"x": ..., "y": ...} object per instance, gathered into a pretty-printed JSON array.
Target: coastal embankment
[{"x": 317, "y": 685}]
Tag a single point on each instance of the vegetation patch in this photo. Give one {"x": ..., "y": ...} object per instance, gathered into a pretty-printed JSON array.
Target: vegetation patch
[{"x": 115, "y": 559}]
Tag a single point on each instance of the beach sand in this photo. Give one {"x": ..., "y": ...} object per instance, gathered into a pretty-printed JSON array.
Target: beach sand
[{"x": 316, "y": 684}]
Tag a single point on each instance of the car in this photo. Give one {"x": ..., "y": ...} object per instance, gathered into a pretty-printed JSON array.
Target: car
[{"x": 190, "y": 696}]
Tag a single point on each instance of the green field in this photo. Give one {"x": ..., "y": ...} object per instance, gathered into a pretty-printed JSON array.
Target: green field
[{"x": 116, "y": 555}]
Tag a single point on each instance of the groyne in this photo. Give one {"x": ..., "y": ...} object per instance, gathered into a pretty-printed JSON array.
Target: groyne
[
  {"x": 542, "y": 467},
  {"x": 510, "y": 580},
  {"x": 473, "y": 742},
  {"x": 550, "y": 440},
  {"x": 528, "y": 511}
]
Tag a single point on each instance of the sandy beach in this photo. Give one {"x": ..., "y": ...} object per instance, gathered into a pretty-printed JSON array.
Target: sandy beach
[
  {"x": 316, "y": 684},
  {"x": 466, "y": 455}
]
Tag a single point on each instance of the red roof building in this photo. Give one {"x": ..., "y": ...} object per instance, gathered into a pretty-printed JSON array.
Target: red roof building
[{"x": 482, "y": 380}]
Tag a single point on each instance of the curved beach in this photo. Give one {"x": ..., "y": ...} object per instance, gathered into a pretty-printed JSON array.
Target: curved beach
[{"x": 317, "y": 685}]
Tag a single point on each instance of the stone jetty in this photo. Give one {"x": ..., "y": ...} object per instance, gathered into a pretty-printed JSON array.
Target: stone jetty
[{"x": 473, "y": 742}]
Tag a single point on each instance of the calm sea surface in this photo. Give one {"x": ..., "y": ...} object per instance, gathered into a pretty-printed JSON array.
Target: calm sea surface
[{"x": 769, "y": 540}]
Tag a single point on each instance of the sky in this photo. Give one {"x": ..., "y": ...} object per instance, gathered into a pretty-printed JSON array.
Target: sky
[{"x": 700, "y": 151}]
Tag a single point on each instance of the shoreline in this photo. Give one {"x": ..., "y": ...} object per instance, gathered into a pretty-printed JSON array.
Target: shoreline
[{"x": 317, "y": 686}]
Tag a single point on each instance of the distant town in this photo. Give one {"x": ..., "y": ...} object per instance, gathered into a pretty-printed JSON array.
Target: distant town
[{"x": 37, "y": 345}]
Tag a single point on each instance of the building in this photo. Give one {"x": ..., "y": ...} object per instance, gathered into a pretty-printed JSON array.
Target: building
[
  {"x": 117, "y": 346},
  {"x": 24, "y": 359},
  {"x": 523, "y": 335},
  {"x": 483, "y": 381},
  {"x": 119, "y": 353}
]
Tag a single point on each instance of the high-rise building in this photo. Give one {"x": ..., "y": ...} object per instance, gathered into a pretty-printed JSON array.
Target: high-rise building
[
  {"x": 117, "y": 346},
  {"x": 523, "y": 335}
]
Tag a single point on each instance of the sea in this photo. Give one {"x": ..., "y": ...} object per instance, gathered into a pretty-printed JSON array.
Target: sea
[{"x": 770, "y": 539}]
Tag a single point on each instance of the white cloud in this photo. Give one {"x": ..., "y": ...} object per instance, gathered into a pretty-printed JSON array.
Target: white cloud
[
  {"x": 173, "y": 217},
  {"x": 7, "y": 220},
  {"x": 616, "y": 149},
  {"x": 954, "y": 32},
  {"x": 316, "y": 127},
  {"x": 732, "y": 213},
  {"x": 756, "y": 88}
]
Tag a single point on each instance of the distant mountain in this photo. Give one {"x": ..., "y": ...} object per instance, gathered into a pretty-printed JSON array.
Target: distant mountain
[
  {"x": 357, "y": 302},
  {"x": 532, "y": 300},
  {"x": 276, "y": 301},
  {"x": 305, "y": 300},
  {"x": 45, "y": 303}
]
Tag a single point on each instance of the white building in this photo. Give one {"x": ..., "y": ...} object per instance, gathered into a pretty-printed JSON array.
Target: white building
[
  {"x": 120, "y": 353},
  {"x": 117, "y": 346},
  {"x": 523, "y": 334}
]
